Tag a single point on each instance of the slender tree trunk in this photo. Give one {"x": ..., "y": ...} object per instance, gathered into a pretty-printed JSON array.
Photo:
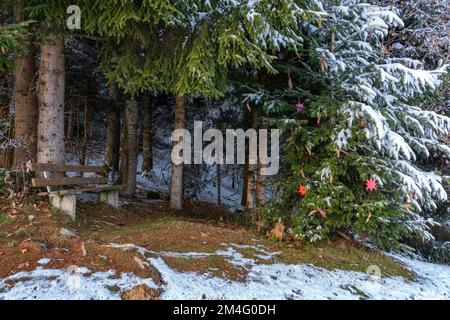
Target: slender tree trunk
[
  {"x": 7, "y": 155},
  {"x": 219, "y": 183},
  {"x": 129, "y": 158},
  {"x": 25, "y": 105},
  {"x": 124, "y": 150},
  {"x": 85, "y": 132},
  {"x": 233, "y": 179},
  {"x": 260, "y": 187},
  {"x": 51, "y": 85},
  {"x": 112, "y": 151},
  {"x": 176, "y": 190},
  {"x": 245, "y": 124},
  {"x": 245, "y": 186},
  {"x": 147, "y": 139},
  {"x": 70, "y": 125},
  {"x": 260, "y": 179},
  {"x": 250, "y": 204}
]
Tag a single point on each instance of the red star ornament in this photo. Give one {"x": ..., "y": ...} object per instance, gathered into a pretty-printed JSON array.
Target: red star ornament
[{"x": 371, "y": 185}]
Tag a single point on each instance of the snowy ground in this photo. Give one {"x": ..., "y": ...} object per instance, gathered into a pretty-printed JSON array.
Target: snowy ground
[{"x": 277, "y": 281}]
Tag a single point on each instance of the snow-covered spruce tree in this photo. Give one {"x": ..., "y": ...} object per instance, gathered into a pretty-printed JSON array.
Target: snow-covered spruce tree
[
  {"x": 425, "y": 34},
  {"x": 425, "y": 38},
  {"x": 358, "y": 119}
]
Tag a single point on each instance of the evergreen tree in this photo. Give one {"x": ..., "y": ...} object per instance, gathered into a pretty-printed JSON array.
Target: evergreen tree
[
  {"x": 51, "y": 82},
  {"x": 186, "y": 48},
  {"x": 10, "y": 38},
  {"x": 356, "y": 131}
]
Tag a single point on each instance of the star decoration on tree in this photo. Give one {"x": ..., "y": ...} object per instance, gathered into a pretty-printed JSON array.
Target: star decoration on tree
[
  {"x": 302, "y": 190},
  {"x": 371, "y": 185},
  {"x": 299, "y": 106}
]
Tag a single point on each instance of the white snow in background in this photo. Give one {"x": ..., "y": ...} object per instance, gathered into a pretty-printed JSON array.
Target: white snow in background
[
  {"x": 275, "y": 281},
  {"x": 159, "y": 180}
]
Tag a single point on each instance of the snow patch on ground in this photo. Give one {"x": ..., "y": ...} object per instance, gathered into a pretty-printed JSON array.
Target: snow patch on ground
[
  {"x": 275, "y": 281},
  {"x": 304, "y": 281},
  {"x": 62, "y": 284},
  {"x": 44, "y": 261},
  {"x": 280, "y": 281}
]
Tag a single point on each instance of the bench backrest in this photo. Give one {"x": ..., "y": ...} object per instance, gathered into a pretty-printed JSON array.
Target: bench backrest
[{"x": 64, "y": 181}]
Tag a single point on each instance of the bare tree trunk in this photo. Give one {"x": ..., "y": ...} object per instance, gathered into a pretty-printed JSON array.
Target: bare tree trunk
[
  {"x": 25, "y": 105},
  {"x": 85, "y": 132},
  {"x": 260, "y": 188},
  {"x": 7, "y": 155},
  {"x": 123, "y": 151},
  {"x": 70, "y": 125},
  {"x": 250, "y": 204},
  {"x": 260, "y": 179},
  {"x": 233, "y": 181},
  {"x": 129, "y": 158},
  {"x": 245, "y": 186},
  {"x": 176, "y": 190},
  {"x": 112, "y": 151},
  {"x": 51, "y": 84},
  {"x": 219, "y": 182},
  {"x": 245, "y": 124},
  {"x": 147, "y": 139}
]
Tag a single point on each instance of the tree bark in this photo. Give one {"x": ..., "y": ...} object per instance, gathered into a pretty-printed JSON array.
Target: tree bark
[
  {"x": 147, "y": 139},
  {"x": 70, "y": 125},
  {"x": 112, "y": 151},
  {"x": 219, "y": 184},
  {"x": 245, "y": 124},
  {"x": 260, "y": 179},
  {"x": 176, "y": 190},
  {"x": 123, "y": 150},
  {"x": 250, "y": 203},
  {"x": 85, "y": 132},
  {"x": 51, "y": 85},
  {"x": 131, "y": 147},
  {"x": 26, "y": 111}
]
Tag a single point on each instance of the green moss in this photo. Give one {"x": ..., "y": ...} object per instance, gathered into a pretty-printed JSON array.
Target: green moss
[
  {"x": 114, "y": 289},
  {"x": 3, "y": 218},
  {"x": 156, "y": 225}
]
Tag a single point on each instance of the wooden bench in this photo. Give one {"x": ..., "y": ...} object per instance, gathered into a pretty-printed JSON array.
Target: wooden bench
[{"x": 65, "y": 200}]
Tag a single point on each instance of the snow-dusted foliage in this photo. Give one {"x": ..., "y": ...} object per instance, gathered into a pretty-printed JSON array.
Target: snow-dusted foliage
[
  {"x": 363, "y": 119},
  {"x": 386, "y": 93},
  {"x": 425, "y": 35}
]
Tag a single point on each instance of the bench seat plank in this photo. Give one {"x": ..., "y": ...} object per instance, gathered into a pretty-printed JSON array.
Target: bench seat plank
[
  {"x": 43, "y": 182},
  {"x": 100, "y": 188},
  {"x": 50, "y": 167}
]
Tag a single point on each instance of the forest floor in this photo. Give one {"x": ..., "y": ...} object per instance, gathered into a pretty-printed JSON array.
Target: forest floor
[{"x": 194, "y": 254}]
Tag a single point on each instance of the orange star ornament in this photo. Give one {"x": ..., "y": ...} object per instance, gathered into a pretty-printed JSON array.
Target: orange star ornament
[{"x": 302, "y": 190}]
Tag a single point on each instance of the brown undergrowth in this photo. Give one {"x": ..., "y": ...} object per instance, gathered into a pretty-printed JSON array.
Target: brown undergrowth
[{"x": 29, "y": 233}]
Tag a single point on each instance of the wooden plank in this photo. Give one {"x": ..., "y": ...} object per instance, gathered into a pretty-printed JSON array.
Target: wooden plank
[
  {"x": 50, "y": 167},
  {"x": 42, "y": 182},
  {"x": 81, "y": 190}
]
